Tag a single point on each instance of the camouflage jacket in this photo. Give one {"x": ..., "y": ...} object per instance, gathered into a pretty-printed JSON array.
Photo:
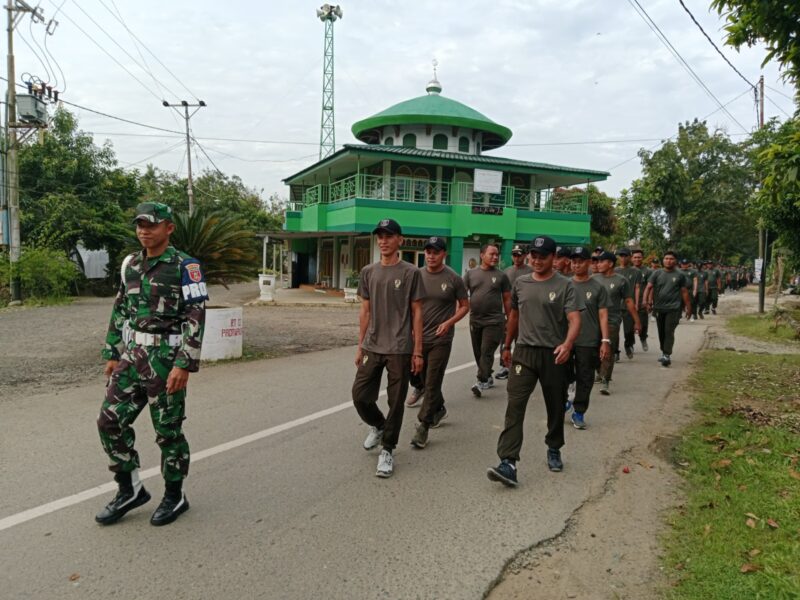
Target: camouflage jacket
[{"x": 162, "y": 295}]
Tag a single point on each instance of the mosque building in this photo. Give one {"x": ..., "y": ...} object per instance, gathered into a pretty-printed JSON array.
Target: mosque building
[{"x": 424, "y": 163}]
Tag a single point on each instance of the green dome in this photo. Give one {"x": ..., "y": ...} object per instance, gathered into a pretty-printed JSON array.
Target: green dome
[{"x": 432, "y": 109}]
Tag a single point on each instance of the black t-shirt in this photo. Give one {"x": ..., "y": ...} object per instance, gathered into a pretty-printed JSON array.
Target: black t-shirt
[
  {"x": 543, "y": 308},
  {"x": 595, "y": 296},
  {"x": 486, "y": 288},
  {"x": 667, "y": 289},
  {"x": 390, "y": 291},
  {"x": 442, "y": 292}
]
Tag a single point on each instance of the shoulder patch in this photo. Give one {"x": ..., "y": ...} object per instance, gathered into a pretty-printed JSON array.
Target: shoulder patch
[{"x": 193, "y": 285}]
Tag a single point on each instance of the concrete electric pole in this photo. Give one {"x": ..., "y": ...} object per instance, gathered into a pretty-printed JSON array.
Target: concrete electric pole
[
  {"x": 762, "y": 233},
  {"x": 16, "y": 10},
  {"x": 186, "y": 116}
]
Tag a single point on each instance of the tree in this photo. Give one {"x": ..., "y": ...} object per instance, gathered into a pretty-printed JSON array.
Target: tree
[
  {"x": 72, "y": 191},
  {"x": 774, "y": 22},
  {"x": 779, "y": 197},
  {"x": 694, "y": 197},
  {"x": 601, "y": 209}
]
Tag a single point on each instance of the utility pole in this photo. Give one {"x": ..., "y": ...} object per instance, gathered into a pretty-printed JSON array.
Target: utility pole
[
  {"x": 762, "y": 249},
  {"x": 327, "y": 135},
  {"x": 16, "y": 9},
  {"x": 186, "y": 116}
]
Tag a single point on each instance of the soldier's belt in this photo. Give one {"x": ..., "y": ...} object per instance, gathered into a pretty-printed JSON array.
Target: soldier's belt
[{"x": 155, "y": 339}]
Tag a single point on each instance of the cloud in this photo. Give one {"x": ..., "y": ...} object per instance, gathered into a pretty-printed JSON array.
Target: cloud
[{"x": 552, "y": 71}]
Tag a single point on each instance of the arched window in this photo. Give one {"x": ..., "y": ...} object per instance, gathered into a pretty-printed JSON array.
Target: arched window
[
  {"x": 440, "y": 141},
  {"x": 389, "y": 141},
  {"x": 463, "y": 144},
  {"x": 409, "y": 140},
  {"x": 422, "y": 188},
  {"x": 402, "y": 188}
]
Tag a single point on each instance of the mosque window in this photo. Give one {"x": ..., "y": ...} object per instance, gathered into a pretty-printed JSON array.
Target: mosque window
[
  {"x": 440, "y": 142},
  {"x": 463, "y": 144},
  {"x": 409, "y": 140},
  {"x": 389, "y": 141}
]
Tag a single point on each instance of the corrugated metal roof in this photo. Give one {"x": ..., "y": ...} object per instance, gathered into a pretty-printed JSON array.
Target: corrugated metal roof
[{"x": 468, "y": 158}]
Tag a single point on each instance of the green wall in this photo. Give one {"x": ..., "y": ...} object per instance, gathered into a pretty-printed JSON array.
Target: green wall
[{"x": 421, "y": 219}]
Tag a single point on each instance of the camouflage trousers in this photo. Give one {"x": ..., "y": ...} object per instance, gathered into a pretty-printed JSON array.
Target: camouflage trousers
[{"x": 140, "y": 379}]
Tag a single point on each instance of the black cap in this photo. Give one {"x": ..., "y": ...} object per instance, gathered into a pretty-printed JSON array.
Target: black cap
[
  {"x": 543, "y": 244},
  {"x": 685, "y": 261},
  {"x": 623, "y": 252},
  {"x": 518, "y": 249},
  {"x": 388, "y": 226},
  {"x": 563, "y": 252},
  {"x": 598, "y": 249},
  {"x": 580, "y": 252},
  {"x": 606, "y": 255},
  {"x": 436, "y": 243}
]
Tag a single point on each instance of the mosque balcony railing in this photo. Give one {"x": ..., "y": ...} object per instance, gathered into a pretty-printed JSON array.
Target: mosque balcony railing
[{"x": 411, "y": 189}]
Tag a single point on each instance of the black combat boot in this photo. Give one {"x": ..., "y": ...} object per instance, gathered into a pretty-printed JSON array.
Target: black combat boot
[
  {"x": 172, "y": 506},
  {"x": 131, "y": 494}
]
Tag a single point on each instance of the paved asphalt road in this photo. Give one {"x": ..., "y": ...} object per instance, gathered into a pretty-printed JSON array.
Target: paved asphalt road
[{"x": 297, "y": 512}]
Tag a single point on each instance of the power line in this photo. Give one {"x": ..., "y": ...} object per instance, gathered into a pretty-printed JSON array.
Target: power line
[
  {"x": 96, "y": 43},
  {"x": 787, "y": 96},
  {"x": 664, "y": 141},
  {"x": 128, "y": 54},
  {"x": 166, "y": 68},
  {"x": 710, "y": 41},
  {"x": 159, "y": 153},
  {"x": 677, "y": 55},
  {"x": 775, "y": 104},
  {"x": 203, "y": 150},
  {"x": 47, "y": 34}
]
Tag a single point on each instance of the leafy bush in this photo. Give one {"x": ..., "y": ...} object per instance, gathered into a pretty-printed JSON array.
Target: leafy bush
[{"x": 46, "y": 273}]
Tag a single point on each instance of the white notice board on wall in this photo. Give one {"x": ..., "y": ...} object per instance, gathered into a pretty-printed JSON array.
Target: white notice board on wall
[{"x": 488, "y": 182}]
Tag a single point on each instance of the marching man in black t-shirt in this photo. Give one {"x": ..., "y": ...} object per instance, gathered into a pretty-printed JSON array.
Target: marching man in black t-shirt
[
  {"x": 545, "y": 320},
  {"x": 390, "y": 336},
  {"x": 666, "y": 289},
  {"x": 445, "y": 305}
]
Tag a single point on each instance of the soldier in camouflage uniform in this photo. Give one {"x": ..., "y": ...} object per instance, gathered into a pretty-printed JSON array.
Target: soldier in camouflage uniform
[{"x": 152, "y": 345}]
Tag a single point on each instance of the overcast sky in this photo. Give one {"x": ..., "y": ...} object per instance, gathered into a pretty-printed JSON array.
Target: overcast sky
[{"x": 553, "y": 71}]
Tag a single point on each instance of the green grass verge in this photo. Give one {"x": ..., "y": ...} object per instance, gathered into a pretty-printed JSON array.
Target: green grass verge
[
  {"x": 738, "y": 533},
  {"x": 762, "y": 327}
]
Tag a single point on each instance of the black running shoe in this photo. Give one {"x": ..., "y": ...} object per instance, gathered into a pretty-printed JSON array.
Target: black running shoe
[
  {"x": 554, "y": 460},
  {"x": 629, "y": 352},
  {"x": 505, "y": 473},
  {"x": 439, "y": 416}
]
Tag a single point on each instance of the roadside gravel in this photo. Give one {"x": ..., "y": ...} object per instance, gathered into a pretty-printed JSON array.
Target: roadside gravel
[{"x": 52, "y": 346}]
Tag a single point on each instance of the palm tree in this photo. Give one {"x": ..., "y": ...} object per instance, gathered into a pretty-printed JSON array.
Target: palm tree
[{"x": 225, "y": 246}]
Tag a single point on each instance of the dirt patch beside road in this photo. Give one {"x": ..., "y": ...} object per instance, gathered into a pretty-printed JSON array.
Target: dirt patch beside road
[{"x": 57, "y": 346}]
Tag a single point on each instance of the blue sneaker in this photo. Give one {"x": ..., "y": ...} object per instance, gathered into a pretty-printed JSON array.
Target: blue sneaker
[
  {"x": 567, "y": 407},
  {"x": 577, "y": 420},
  {"x": 554, "y": 460},
  {"x": 505, "y": 473}
]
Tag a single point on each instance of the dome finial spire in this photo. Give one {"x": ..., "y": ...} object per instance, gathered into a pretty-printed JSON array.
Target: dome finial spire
[{"x": 434, "y": 87}]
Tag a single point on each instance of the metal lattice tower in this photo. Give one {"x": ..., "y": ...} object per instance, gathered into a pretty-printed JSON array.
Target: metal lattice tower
[{"x": 327, "y": 135}]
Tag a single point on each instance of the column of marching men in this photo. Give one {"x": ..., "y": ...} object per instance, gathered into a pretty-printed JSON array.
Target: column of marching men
[
  {"x": 556, "y": 314},
  {"x": 559, "y": 316}
]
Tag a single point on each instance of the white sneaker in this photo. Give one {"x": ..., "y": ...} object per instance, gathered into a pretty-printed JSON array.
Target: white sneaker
[
  {"x": 489, "y": 383},
  {"x": 571, "y": 393},
  {"x": 416, "y": 397},
  {"x": 374, "y": 437},
  {"x": 385, "y": 464}
]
